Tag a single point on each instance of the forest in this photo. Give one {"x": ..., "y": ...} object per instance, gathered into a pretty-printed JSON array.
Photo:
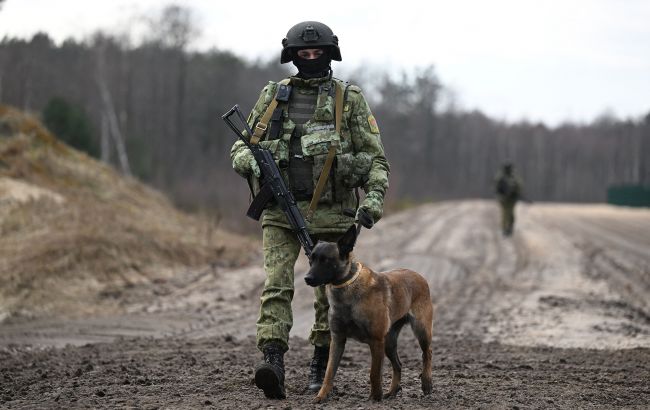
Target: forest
[{"x": 153, "y": 108}]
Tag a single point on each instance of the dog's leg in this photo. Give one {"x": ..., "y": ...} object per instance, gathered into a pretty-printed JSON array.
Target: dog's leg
[
  {"x": 377, "y": 352},
  {"x": 391, "y": 352},
  {"x": 422, "y": 325},
  {"x": 337, "y": 346}
]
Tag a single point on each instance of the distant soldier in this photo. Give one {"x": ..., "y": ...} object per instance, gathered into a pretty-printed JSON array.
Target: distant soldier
[
  {"x": 509, "y": 191},
  {"x": 326, "y": 143}
]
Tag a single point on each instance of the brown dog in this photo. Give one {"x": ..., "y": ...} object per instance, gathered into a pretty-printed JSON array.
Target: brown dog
[{"x": 372, "y": 308}]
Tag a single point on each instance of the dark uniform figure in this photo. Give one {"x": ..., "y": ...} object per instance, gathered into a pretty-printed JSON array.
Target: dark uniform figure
[
  {"x": 508, "y": 190},
  {"x": 303, "y": 121}
]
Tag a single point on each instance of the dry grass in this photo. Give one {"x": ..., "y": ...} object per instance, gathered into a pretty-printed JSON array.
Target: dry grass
[{"x": 71, "y": 227}]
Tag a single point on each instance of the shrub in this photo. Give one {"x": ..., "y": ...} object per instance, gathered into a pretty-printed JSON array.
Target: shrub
[{"x": 70, "y": 124}]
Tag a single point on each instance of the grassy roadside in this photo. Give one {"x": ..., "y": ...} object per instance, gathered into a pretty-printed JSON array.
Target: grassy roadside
[{"x": 71, "y": 226}]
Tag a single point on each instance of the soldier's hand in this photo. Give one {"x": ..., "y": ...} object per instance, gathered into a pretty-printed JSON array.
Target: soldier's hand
[
  {"x": 364, "y": 218},
  {"x": 372, "y": 204},
  {"x": 255, "y": 169},
  {"x": 244, "y": 163}
]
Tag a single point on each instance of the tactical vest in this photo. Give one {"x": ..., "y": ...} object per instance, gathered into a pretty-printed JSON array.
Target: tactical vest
[
  {"x": 301, "y": 108},
  {"x": 300, "y": 133},
  {"x": 508, "y": 187}
]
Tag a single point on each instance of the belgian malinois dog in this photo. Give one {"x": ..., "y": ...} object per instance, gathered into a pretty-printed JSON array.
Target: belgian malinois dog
[{"x": 372, "y": 308}]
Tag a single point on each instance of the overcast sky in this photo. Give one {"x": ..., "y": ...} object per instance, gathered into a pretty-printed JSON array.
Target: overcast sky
[{"x": 551, "y": 60}]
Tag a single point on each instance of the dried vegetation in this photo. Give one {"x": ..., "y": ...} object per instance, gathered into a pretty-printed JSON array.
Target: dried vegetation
[{"x": 72, "y": 227}]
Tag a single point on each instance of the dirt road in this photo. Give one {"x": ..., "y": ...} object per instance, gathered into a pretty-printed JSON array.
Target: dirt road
[{"x": 557, "y": 315}]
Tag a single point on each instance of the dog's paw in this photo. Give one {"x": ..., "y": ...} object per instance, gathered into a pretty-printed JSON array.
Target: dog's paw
[
  {"x": 377, "y": 396},
  {"x": 319, "y": 399},
  {"x": 393, "y": 393},
  {"x": 427, "y": 386}
]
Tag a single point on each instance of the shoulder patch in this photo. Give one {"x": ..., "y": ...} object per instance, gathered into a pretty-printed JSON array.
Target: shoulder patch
[{"x": 372, "y": 122}]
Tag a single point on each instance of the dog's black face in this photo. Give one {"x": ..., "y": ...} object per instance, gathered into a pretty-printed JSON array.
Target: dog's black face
[{"x": 330, "y": 261}]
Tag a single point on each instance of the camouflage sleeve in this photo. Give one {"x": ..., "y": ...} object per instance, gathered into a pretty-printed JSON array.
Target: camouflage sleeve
[
  {"x": 366, "y": 138},
  {"x": 242, "y": 158}
]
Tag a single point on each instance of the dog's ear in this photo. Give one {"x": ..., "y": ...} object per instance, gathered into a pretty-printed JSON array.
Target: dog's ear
[{"x": 347, "y": 241}]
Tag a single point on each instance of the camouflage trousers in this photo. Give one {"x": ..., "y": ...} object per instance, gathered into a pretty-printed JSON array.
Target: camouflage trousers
[
  {"x": 507, "y": 216},
  {"x": 281, "y": 250}
]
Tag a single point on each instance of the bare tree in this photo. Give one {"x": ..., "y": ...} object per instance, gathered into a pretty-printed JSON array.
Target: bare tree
[
  {"x": 108, "y": 112},
  {"x": 176, "y": 28}
]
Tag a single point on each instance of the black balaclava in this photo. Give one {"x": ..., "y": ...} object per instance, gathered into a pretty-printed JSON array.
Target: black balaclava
[{"x": 316, "y": 68}]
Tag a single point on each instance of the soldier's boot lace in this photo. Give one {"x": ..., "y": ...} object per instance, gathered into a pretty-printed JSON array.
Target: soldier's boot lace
[
  {"x": 317, "y": 367},
  {"x": 269, "y": 375}
]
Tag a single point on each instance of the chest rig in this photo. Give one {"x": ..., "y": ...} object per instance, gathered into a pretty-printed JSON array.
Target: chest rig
[
  {"x": 314, "y": 111},
  {"x": 302, "y": 106}
]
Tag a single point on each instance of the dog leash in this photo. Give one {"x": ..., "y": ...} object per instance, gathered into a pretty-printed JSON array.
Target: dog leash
[{"x": 352, "y": 213}]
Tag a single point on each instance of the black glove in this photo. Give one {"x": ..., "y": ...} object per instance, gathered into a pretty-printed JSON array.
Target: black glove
[{"x": 364, "y": 218}]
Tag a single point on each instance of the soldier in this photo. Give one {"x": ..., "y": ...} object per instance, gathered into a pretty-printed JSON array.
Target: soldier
[
  {"x": 303, "y": 120},
  {"x": 508, "y": 190}
]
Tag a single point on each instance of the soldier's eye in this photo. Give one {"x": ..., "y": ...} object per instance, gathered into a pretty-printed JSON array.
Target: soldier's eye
[{"x": 310, "y": 54}]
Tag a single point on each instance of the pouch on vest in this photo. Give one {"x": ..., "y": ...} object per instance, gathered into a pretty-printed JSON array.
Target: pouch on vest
[
  {"x": 316, "y": 146},
  {"x": 325, "y": 106},
  {"x": 352, "y": 170}
]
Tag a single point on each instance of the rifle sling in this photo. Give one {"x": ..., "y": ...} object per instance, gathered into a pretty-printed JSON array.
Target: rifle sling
[
  {"x": 322, "y": 179},
  {"x": 262, "y": 124}
]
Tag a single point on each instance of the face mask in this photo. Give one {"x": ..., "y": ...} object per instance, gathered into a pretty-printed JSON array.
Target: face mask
[{"x": 315, "y": 68}]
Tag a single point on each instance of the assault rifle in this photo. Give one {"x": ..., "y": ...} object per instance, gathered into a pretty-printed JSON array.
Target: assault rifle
[{"x": 272, "y": 185}]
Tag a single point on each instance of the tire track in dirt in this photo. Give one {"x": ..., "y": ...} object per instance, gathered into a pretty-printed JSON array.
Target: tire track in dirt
[
  {"x": 628, "y": 232},
  {"x": 567, "y": 300},
  {"x": 465, "y": 307},
  {"x": 616, "y": 253}
]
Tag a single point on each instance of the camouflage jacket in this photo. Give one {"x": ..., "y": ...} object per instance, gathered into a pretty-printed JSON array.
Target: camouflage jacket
[
  {"x": 360, "y": 160},
  {"x": 508, "y": 187}
]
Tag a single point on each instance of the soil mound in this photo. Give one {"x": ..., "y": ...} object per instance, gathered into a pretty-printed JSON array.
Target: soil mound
[{"x": 73, "y": 231}]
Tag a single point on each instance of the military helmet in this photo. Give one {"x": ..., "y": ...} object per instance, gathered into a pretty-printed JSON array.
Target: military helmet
[{"x": 310, "y": 34}]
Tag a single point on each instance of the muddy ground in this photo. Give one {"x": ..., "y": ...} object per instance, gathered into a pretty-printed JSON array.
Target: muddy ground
[
  {"x": 217, "y": 372},
  {"x": 556, "y": 316}
]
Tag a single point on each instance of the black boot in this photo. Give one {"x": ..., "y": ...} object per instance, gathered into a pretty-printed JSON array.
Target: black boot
[
  {"x": 269, "y": 375},
  {"x": 317, "y": 367}
]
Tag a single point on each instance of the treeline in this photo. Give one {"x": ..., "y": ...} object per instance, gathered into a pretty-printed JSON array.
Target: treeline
[
  {"x": 446, "y": 152},
  {"x": 159, "y": 105}
]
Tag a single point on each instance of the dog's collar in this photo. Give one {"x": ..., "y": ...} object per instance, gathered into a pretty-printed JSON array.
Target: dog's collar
[{"x": 349, "y": 281}]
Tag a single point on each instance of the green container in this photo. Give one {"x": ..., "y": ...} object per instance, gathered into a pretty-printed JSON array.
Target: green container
[{"x": 629, "y": 195}]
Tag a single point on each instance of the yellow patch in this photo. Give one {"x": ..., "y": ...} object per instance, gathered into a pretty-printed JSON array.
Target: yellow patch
[{"x": 372, "y": 122}]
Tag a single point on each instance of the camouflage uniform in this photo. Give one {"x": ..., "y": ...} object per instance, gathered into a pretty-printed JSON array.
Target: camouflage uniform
[
  {"x": 508, "y": 190},
  {"x": 360, "y": 162}
]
